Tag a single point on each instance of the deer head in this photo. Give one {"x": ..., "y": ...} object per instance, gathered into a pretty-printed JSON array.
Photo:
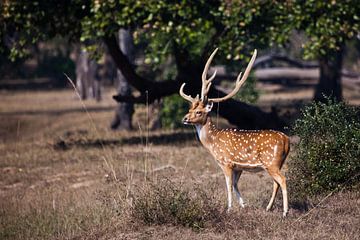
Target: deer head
[{"x": 200, "y": 107}]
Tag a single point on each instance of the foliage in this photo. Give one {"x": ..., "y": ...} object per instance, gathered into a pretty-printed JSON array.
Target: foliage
[
  {"x": 327, "y": 24},
  {"x": 173, "y": 110},
  {"x": 54, "y": 64},
  {"x": 190, "y": 25},
  {"x": 183, "y": 31},
  {"x": 23, "y": 23},
  {"x": 327, "y": 156},
  {"x": 162, "y": 25},
  {"x": 185, "y": 25},
  {"x": 166, "y": 202}
]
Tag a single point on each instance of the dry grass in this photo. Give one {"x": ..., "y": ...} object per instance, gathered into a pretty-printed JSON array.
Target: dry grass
[{"x": 60, "y": 178}]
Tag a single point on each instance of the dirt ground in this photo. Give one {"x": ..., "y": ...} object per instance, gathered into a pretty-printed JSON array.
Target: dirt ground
[{"x": 65, "y": 175}]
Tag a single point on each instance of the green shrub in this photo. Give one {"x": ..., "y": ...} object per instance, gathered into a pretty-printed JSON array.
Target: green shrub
[
  {"x": 328, "y": 154},
  {"x": 166, "y": 202},
  {"x": 173, "y": 110}
]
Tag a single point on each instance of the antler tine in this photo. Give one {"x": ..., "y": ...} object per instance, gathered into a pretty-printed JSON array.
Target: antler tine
[
  {"x": 239, "y": 80},
  {"x": 207, "y": 83},
  {"x": 187, "y": 97}
]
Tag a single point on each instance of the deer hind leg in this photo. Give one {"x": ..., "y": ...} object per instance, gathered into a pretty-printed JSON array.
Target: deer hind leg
[
  {"x": 229, "y": 185},
  {"x": 236, "y": 177},
  {"x": 280, "y": 179},
  {"x": 275, "y": 190}
]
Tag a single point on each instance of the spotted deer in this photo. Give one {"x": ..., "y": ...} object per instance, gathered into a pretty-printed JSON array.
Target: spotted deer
[{"x": 237, "y": 150}]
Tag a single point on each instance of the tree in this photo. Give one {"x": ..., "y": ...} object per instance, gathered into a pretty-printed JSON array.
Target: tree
[
  {"x": 328, "y": 26},
  {"x": 23, "y": 23},
  {"x": 86, "y": 81},
  {"x": 124, "y": 111},
  {"x": 186, "y": 32}
]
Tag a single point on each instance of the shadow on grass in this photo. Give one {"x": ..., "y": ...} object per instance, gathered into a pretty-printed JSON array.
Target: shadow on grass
[
  {"x": 159, "y": 139},
  {"x": 301, "y": 206},
  {"x": 57, "y": 112}
]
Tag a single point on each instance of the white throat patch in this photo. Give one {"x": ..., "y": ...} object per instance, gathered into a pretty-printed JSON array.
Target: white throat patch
[{"x": 198, "y": 130}]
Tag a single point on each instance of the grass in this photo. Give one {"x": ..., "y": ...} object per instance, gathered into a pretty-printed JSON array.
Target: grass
[
  {"x": 59, "y": 179},
  {"x": 168, "y": 202}
]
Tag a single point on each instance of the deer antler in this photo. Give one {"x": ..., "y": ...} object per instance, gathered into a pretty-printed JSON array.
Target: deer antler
[
  {"x": 206, "y": 83},
  {"x": 239, "y": 82},
  {"x": 187, "y": 97}
]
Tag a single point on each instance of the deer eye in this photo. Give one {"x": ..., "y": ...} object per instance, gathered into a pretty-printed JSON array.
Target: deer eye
[{"x": 198, "y": 113}]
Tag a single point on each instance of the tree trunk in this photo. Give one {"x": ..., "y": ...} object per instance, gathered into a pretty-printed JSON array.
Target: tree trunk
[
  {"x": 154, "y": 115},
  {"x": 124, "y": 110},
  {"x": 95, "y": 84},
  {"x": 81, "y": 74},
  {"x": 330, "y": 77},
  {"x": 86, "y": 82}
]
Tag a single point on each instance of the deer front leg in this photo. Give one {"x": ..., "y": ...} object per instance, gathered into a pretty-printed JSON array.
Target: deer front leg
[
  {"x": 229, "y": 184},
  {"x": 236, "y": 177}
]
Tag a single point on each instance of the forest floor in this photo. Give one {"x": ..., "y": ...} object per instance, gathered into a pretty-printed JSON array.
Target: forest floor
[{"x": 65, "y": 175}]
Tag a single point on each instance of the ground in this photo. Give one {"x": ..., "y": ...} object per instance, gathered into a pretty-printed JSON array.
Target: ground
[{"x": 65, "y": 175}]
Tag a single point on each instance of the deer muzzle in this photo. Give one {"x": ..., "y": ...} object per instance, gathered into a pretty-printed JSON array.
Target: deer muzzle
[{"x": 186, "y": 120}]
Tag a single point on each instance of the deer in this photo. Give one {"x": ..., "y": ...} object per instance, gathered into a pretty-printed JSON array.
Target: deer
[{"x": 237, "y": 150}]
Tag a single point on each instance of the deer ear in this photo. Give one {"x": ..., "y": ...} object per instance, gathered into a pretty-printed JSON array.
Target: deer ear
[{"x": 209, "y": 106}]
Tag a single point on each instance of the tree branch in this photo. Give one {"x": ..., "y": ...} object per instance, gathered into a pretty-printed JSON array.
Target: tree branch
[
  {"x": 155, "y": 90},
  {"x": 277, "y": 57},
  {"x": 130, "y": 99},
  {"x": 124, "y": 65}
]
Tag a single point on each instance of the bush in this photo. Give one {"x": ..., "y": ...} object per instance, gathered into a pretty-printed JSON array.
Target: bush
[
  {"x": 173, "y": 110},
  {"x": 166, "y": 202},
  {"x": 328, "y": 154}
]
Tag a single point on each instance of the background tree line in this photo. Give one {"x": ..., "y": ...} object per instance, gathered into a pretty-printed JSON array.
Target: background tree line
[{"x": 177, "y": 37}]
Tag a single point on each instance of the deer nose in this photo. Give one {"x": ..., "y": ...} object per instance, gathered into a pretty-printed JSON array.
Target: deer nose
[{"x": 185, "y": 119}]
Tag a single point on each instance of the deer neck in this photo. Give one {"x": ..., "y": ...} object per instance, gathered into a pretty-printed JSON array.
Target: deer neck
[{"x": 205, "y": 131}]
